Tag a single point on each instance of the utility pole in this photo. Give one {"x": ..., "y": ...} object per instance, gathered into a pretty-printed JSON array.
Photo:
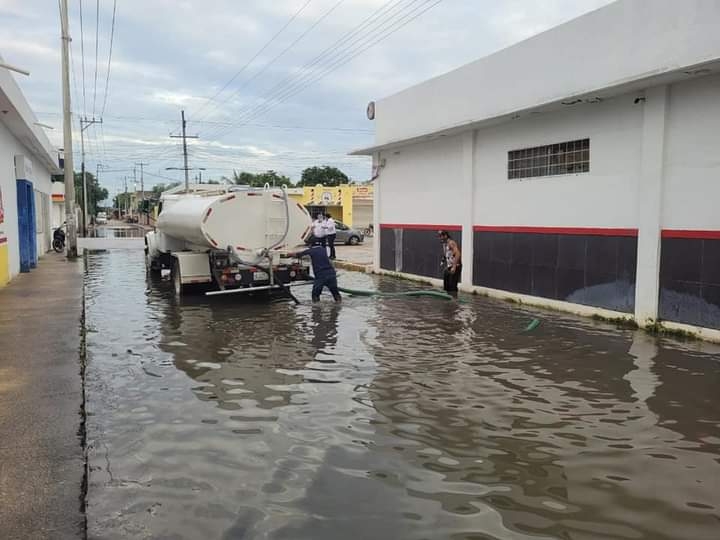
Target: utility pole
[
  {"x": 134, "y": 189},
  {"x": 67, "y": 135},
  {"x": 142, "y": 190},
  {"x": 126, "y": 197},
  {"x": 98, "y": 166},
  {"x": 184, "y": 137},
  {"x": 87, "y": 123}
]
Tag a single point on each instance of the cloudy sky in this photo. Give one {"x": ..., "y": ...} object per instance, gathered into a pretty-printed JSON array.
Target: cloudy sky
[{"x": 266, "y": 84}]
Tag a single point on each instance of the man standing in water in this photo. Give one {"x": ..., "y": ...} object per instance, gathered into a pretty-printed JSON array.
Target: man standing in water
[
  {"x": 452, "y": 262},
  {"x": 323, "y": 270}
]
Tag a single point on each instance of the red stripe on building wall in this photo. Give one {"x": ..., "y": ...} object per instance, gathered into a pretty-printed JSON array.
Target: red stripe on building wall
[
  {"x": 681, "y": 233},
  {"x": 578, "y": 231},
  {"x": 420, "y": 226}
]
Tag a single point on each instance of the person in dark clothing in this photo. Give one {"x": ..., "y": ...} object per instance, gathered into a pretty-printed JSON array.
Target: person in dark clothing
[
  {"x": 323, "y": 269},
  {"x": 452, "y": 262}
]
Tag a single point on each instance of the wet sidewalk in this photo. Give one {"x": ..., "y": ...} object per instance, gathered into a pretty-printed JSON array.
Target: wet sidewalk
[
  {"x": 41, "y": 458},
  {"x": 358, "y": 258}
]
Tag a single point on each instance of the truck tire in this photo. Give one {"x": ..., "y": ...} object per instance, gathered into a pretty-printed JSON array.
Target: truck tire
[
  {"x": 176, "y": 279},
  {"x": 151, "y": 266}
]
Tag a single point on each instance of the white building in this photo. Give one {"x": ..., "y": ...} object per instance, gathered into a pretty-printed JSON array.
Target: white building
[
  {"x": 27, "y": 162},
  {"x": 579, "y": 169}
]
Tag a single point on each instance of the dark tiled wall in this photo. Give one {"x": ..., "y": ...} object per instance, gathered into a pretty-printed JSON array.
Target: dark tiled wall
[
  {"x": 387, "y": 249},
  {"x": 583, "y": 269},
  {"x": 690, "y": 281},
  {"x": 420, "y": 251}
]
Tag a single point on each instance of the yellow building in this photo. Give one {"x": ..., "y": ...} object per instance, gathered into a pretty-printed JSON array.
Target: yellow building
[{"x": 350, "y": 204}]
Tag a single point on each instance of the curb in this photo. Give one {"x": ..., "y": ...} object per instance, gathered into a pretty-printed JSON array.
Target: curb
[{"x": 354, "y": 267}]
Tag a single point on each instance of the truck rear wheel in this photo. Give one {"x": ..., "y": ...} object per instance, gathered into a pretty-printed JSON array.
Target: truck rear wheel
[
  {"x": 152, "y": 267},
  {"x": 176, "y": 278}
]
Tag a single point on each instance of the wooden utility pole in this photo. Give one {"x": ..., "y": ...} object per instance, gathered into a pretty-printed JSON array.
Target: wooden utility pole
[
  {"x": 184, "y": 137},
  {"x": 71, "y": 236}
]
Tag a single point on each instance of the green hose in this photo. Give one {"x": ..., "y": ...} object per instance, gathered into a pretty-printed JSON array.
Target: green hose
[
  {"x": 361, "y": 292},
  {"x": 532, "y": 326}
]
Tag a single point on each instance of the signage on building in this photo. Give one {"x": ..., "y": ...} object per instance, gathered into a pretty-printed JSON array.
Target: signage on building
[{"x": 326, "y": 198}]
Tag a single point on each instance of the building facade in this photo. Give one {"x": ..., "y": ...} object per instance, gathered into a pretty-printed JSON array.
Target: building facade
[
  {"x": 27, "y": 162},
  {"x": 578, "y": 169},
  {"x": 351, "y": 204}
]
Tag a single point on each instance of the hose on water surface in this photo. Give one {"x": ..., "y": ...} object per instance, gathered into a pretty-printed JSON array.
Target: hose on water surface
[
  {"x": 362, "y": 292},
  {"x": 433, "y": 294}
]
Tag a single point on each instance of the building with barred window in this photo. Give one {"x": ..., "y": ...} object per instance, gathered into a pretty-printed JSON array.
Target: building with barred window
[{"x": 578, "y": 169}]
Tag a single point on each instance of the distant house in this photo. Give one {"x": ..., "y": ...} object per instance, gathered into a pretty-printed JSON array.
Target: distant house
[
  {"x": 579, "y": 168},
  {"x": 27, "y": 197}
]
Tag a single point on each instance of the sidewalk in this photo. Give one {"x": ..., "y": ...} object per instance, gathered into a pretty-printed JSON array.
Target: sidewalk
[
  {"x": 41, "y": 457},
  {"x": 357, "y": 258}
]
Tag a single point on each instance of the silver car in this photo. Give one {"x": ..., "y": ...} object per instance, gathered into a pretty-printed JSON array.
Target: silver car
[{"x": 344, "y": 235}]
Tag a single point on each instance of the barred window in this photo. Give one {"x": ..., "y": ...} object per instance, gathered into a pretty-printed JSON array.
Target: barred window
[{"x": 553, "y": 159}]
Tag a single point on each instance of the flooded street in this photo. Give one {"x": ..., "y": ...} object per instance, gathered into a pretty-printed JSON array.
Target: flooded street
[{"x": 387, "y": 418}]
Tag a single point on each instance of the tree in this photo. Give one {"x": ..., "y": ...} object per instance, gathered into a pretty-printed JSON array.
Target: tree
[
  {"x": 325, "y": 175},
  {"x": 258, "y": 180},
  {"x": 95, "y": 193},
  {"x": 159, "y": 188}
]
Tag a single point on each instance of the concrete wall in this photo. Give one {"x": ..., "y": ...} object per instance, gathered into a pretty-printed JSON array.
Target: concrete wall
[
  {"x": 689, "y": 278},
  {"x": 9, "y": 148},
  {"x": 692, "y": 156},
  {"x": 604, "y": 197},
  {"x": 419, "y": 183},
  {"x": 639, "y": 233},
  {"x": 623, "y": 42}
]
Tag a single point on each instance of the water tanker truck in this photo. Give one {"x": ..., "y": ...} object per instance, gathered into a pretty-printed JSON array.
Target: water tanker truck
[{"x": 231, "y": 239}]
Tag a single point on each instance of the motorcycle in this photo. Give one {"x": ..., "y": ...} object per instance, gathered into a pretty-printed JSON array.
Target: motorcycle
[{"x": 58, "y": 242}]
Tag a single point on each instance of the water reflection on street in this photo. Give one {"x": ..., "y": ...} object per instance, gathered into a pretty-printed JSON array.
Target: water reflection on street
[
  {"x": 117, "y": 230},
  {"x": 388, "y": 418}
]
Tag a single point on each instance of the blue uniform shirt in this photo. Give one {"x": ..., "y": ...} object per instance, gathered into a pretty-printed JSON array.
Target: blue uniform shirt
[{"x": 320, "y": 261}]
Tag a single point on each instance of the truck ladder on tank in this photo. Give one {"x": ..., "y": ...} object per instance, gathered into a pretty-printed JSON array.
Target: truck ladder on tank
[{"x": 275, "y": 227}]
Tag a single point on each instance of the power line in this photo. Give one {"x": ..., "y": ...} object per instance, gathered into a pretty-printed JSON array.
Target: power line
[
  {"x": 388, "y": 6},
  {"x": 112, "y": 38},
  {"x": 296, "y": 88},
  {"x": 282, "y": 53},
  {"x": 226, "y": 124},
  {"x": 97, "y": 43},
  {"x": 342, "y": 59},
  {"x": 370, "y": 24},
  {"x": 258, "y": 53}
]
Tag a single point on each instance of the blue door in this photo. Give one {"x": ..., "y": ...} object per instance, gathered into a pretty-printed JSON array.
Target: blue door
[{"x": 26, "y": 225}]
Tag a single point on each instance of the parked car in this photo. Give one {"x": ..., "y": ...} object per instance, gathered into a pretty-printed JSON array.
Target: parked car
[
  {"x": 101, "y": 218},
  {"x": 345, "y": 235}
]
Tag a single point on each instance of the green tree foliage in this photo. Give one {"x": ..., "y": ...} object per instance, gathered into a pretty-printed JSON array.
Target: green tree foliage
[
  {"x": 258, "y": 180},
  {"x": 159, "y": 188},
  {"x": 325, "y": 175},
  {"x": 95, "y": 193}
]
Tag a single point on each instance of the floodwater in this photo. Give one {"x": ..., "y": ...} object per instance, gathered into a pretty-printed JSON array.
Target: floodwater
[
  {"x": 117, "y": 231},
  {"x": 388, "y": 419}
]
